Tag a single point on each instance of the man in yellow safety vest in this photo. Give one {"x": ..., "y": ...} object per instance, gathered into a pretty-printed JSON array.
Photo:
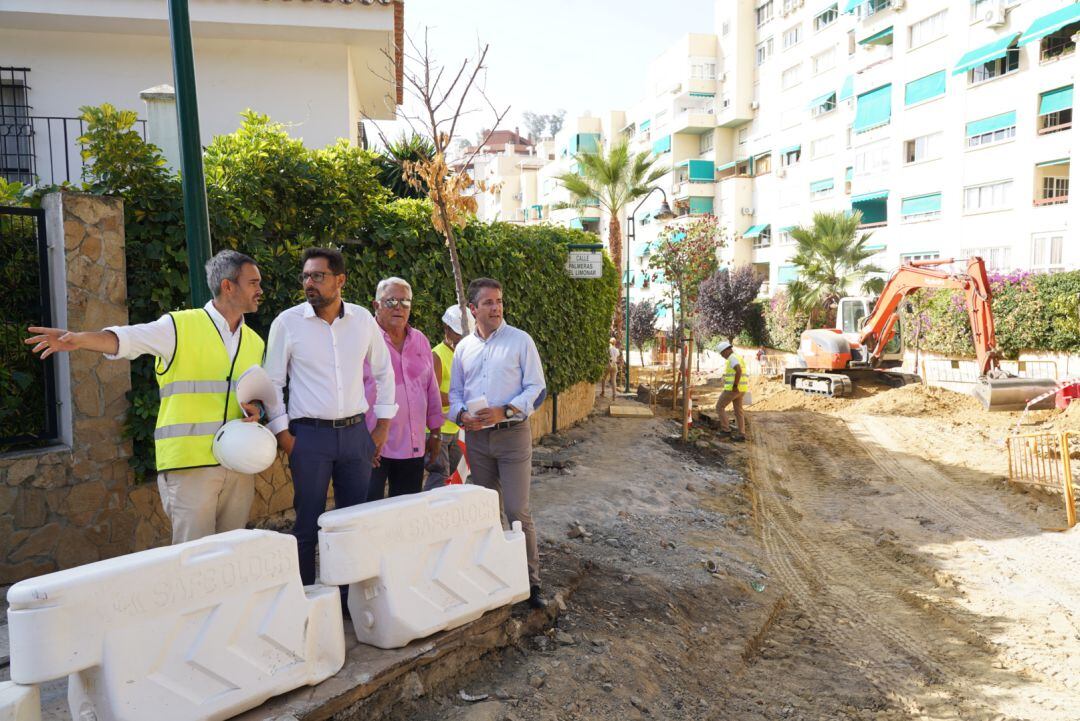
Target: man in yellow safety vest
[
  {"x": 200, "y": 354},
  {"x": 442, "y": 467},
  {"x": 735, "y": 387}
]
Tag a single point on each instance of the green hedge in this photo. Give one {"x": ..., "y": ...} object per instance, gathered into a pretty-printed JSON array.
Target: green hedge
[{"x": 271, "y": 197}]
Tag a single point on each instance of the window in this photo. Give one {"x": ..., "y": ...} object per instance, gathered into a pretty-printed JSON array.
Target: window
[
  {"x": 822, "y": 105},
  {"x": 826, "y": 18},
  {"x": 16, "y": 128},
  {"x": 988, "y": 197},
  {"x": 791, "y": 77},
  {"x": 763, "y": 51},
  {"x": 790, "y": 156},
  {"x": 763, "y": 164},
  {"x": 979, "y": 8},
  {"x": 703, "y": 68},
  {"x": 1046, "y": 252},
  {"x": 791, "y": 5},
  {"x": 1055, "y": 110},
  {"x": 873, "y": 158},
  {"x": 872, "y": 207},
  {"x": 792, "y": 36},
  {"x": 995, "y": 129},
  {"x": 821, "y": 189},
  {"x": 783, "y": 237},
  {"x": 1058, "y": 44},
  {"x": 927, "y": 30},
  {"x": 705, "y": 142},
  {"x": 920, "y": 207},
  {"x": 744, "y": 134},
  {"x": 924, "y": 147},
  {"x": 995, "y": 258},
  {"x": 1053, "y": 190},
  {"x": 914, "y": 257},
  {"x": 996, "y": 68},
  {"x": 925, "y": 88},
  {"x": 763, "y": 239},
  {"x": 823, "y": 61},
  {"x": 763, "y": 13},
  {"x": 821, "y": 147},
  {"x": 873, "y": 109},
  {"x": 725, "y": 28}
]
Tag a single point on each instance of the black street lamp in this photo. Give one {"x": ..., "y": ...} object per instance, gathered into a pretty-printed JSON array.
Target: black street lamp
[{"x": 664, "y": 213}]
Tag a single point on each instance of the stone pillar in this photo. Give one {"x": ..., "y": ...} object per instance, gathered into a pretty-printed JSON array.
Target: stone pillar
[{"x": 161, "y": 123}]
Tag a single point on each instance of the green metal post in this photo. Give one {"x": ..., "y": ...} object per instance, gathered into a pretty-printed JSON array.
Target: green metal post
[{"x": 196, "y": 216}]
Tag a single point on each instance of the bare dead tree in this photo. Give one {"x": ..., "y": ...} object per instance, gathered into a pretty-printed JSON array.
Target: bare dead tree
[{"x": 443, "y": 96}]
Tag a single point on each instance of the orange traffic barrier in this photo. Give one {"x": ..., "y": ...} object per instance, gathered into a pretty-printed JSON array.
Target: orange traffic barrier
[{"x": 1043, "y": 460}]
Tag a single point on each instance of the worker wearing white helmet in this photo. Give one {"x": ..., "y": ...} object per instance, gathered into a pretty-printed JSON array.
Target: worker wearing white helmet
[
  {"x": 735, "y": 387},
  {"x": 442, "y": 467}
]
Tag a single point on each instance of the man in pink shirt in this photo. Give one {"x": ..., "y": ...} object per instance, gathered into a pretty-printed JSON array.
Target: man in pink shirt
[{"x": 402, "y": 460}]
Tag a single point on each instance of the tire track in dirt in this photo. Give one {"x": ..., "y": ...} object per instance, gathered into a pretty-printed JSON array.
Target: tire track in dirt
[{"x": 924, "y": 664}]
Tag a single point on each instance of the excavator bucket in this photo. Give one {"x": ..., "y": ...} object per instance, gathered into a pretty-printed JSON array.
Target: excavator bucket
[{"x": 1014, "y": 394}]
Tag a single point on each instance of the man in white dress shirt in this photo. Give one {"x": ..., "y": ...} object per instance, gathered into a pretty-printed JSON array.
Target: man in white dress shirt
[
  {"x": 318, "y": 348},
  {"x": 200, "y": 355},
  {"x": 497, "y": 366}
]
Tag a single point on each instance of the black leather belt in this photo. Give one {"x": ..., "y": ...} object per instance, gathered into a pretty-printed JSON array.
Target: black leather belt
[
  {"x": 505, "y": 424},
  {"x": 335, "y": 423}
]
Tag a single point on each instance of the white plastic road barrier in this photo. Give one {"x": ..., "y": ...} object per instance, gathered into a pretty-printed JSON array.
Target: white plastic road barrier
[
  {"x": 199, "y": 631},
  {"x": 422, "y": 563},
  {"x": 19, "y": 703}
]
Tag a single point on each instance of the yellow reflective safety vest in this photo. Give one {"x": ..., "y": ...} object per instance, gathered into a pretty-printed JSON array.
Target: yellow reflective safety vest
[
  {"x": 729, "y": 374},
  {"x": 197, "y": 388},
  {"x": 446, "y": 360}
]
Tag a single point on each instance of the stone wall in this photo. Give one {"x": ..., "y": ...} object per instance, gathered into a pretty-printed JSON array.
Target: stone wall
[{"x": 575, "y": 405}]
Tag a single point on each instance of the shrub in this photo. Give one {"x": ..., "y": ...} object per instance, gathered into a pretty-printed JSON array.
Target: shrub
[
  {"x": 271, "y": 197},
  {"x": 783, "y": 324}
]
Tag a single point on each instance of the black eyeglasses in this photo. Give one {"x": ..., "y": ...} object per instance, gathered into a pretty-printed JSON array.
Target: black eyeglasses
[
  {"x": 317, "y": 276},
  {"x": 395, "y": 302}
]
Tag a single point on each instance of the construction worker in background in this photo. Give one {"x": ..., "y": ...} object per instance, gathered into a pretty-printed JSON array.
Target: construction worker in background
[
  {"x": 735, "y": 387},
  {"x": 442, "y": 467},
  {"x": 200, "y": 355}
]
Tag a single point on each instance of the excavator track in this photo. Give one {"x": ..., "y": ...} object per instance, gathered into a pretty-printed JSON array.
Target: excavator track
[{"x": 833, "y": 385}]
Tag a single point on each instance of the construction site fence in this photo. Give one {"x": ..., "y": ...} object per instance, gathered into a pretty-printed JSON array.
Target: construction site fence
[
  {"x": 1044, "y": 460},
  {"x": 946, "y": 370}
]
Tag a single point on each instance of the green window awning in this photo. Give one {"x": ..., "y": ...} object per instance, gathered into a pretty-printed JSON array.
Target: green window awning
[
  {"x": 727, "y": 166},
  {"x": 701, "y": 206},
  {"x": 755, "y": 231},
  {"x": 790, "y": 149},
  {"x": 930, "y": 86},
  {"x": 702, "y": 171},
  {"x": 876, "y": 195},
  {"x": 921, "y": 204},
  {"x": 989, "y": 125},
  {"x": 853, "y": 5},
  {"x": 1050, "y": 24},
  {"x": 645, "y": 124},
  {"x": 629, "y": 276},
  {"x": 873, "y": 109},
  {"x": 820, "y": 186},
  {"x": 874, "y": 247},
  {"x": 985, "y": 54},
  {"x": 823, "y": 99},
  {"x": 786, "y": 274},
  {"x": 576, "y": 224},
  {"x": 884, "y": 37},
  {"x": 849, "y": 174},
  {"x": 662, "y": 145},
  {"x": 1054, "y": 101},
  {"x": 1051, "y": 163},
  {"x": 695, "y": 94},
  {"x": 847, "y": 89},
  {"x": 788, "y": 228}
]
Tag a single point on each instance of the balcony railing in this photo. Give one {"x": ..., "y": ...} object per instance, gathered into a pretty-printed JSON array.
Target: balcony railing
[
  {"x": 44, "y": 150},
  {"x": 1051, "y": 200}
]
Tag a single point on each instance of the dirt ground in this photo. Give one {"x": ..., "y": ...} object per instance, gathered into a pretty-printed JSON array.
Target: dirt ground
[{"x": 856, "y": 559}]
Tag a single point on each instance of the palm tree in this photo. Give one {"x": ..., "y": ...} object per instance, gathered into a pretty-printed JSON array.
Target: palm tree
[
  {"x": 831, "y": 257},
  {"x": 391, "y": 162},
  {"x": 613, "y": 179}
]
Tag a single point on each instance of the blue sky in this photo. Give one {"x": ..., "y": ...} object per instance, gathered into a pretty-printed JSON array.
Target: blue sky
[{"x": 574, "y": 54}]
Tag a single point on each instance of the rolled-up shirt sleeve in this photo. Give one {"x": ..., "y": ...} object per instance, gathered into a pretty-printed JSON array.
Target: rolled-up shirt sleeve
[
  {"x": 157, "y": 338},
  {"x": 276, "y": 366},
  {"x": 382, "y": 370},
  {"x": 532, "y": 378},
  {"x": 457, "y": 386}
]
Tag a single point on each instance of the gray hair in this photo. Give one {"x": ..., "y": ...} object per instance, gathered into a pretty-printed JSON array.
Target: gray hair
[
  {"x": 225, "y": 265},
  {"x": 385, "y": 283}
]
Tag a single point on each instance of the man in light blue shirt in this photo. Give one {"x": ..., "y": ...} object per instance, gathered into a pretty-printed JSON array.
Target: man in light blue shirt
[{"x": 497, "y": 371}]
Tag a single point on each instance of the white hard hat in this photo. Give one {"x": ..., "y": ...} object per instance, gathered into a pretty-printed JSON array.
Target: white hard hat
[
  {"x": 452, "y": 318},
  {"x": 255, "y": 385},
  {"x": 245, "y": 447},
  {"x": 724, "y": 345}
]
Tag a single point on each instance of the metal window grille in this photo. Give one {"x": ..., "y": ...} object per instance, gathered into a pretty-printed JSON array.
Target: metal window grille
[{"x": 16, "y": 128}]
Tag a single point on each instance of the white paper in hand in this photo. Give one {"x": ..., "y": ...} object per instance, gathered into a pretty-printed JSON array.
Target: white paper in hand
[{"x": 476, "y": 405}]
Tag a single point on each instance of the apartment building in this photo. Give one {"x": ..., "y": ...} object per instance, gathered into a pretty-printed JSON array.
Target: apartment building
[{"x": 946, "y": 123}]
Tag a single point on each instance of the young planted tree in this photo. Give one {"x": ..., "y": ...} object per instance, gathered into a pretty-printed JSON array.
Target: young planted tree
[
  {"x": 831, "y": 256},
  {"x": 643, "y": 315},
  {"x": 724, "y": 299},
  {"x": 614, "y": 179}
]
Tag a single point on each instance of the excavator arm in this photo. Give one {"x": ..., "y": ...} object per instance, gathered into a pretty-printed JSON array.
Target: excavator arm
[{"x": 879, "y": 327}]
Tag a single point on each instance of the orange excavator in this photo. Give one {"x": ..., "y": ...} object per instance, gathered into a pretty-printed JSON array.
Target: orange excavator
[{"x": 832, "y": 359}]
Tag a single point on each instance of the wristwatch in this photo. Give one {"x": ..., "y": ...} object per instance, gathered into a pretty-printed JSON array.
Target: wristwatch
[
  {"x": 511, "y": 413},
  {"x": 460, "y": 413}
]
